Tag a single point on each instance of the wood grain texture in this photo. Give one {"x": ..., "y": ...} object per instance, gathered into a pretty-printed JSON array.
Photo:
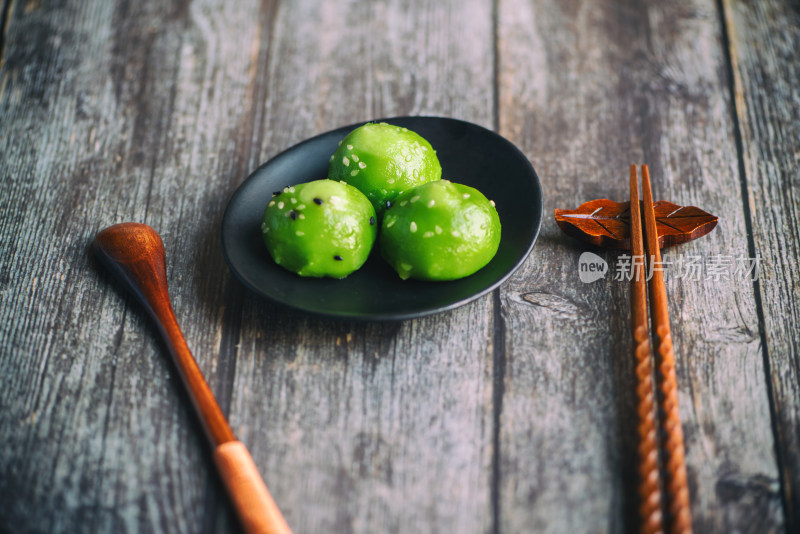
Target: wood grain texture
[
  {"x": 512, "y": 414},
  {"x": 114, "y": 111},
  {"x": 585, "y": 89},
  {"x": 763, "y": 39}
]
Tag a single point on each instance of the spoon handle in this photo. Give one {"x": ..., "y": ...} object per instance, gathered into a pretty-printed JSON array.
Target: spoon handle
[{"x": 135, "y": 253}]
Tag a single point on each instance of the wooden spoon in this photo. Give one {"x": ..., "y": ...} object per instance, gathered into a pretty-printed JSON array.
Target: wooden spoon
[{"x": 135, "y": 253}]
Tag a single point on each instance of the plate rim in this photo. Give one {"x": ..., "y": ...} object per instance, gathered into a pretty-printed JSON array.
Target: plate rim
[{"x": 385, "y": 317}]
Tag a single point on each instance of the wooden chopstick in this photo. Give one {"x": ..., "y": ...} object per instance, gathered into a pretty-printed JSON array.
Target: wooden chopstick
[
  {"x": 649, "y": 488},
  {"x": 679, "y": 519}
]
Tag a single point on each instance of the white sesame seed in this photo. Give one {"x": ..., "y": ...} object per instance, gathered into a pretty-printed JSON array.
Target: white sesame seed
[
  {"x": 353, "y": 173},
  {"x": 280, "y": 205},
  {"x": 390, "y": 222},
  {"x": 455, "y": 233},
  {"x": 492, "y": 203},
  {"x": 291, "y": 189},
  {"x": 301, "y": 216},
  {"x": 431, "y": 203},
  {"x": 404, "y": 129},
  {"x": 427, "y": 234},
  {"x": 345, "y": 161},
  {"x": 293, "y": 200},
  {"x": 405, "y": 266},
  {"x": 383, "y": 191},
  {"x": 362, "y": 165},
  {"x": 404, "y": 202},
  {"x": 349, "y": 147},
  {"x": 265, "y": 229},
  {"x": 301, "y": 206},
  {"x": 414, "y": 198},
  {"x": 331, "y": 158},
  {"x": 438, "y": 229},
  {"x": 354, "y": 156},
  {"x": 300, "y": 233},
  {"x": 271, "y": 203},
  {"x": 412, "y": 227},
  {"x": 465, "y": 195}
]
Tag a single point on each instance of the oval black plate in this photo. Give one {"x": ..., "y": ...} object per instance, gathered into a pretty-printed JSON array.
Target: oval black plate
[{"x": 469, "y": 154}]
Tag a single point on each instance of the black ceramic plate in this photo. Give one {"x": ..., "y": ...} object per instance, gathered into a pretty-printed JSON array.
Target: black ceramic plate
[{"x": 469, "y": 154}]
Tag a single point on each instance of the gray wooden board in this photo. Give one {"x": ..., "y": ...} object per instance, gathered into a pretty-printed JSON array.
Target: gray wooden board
[
  {"x": 764, "y": 38},
  {"x": 586, "y": 89},
  {"x": 114, "y": 111},
  {"x": 511, "y": 414},
  {"x": 160, "y": 115},
  {"x": 371, "y": 428}
]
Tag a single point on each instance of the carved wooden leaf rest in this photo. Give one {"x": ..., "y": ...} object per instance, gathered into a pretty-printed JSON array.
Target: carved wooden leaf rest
[{"x": 606, "y": 223}]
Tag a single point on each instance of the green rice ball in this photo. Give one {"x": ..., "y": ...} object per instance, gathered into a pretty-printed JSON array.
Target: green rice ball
[
  {"x": 440, "y": 231},
  {"x": 320, "y": 228},
  {"x": 383, "y": 160}
]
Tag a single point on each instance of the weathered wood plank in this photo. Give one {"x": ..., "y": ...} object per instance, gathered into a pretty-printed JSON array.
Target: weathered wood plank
[
  {"x": 371, "y": 427},
  {"x": 588, "y": 88},
  {"x": 764, "y": 38},
  {"x": 114, "y": 111},
  {"x": 155, "y": 111}
]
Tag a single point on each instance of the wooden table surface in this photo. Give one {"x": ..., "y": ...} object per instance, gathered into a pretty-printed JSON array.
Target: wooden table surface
[{"x": 512, "y": 414}]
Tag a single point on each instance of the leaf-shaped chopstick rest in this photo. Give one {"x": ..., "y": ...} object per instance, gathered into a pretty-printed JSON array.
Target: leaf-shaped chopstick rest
[{"x": 606, "y": 223}]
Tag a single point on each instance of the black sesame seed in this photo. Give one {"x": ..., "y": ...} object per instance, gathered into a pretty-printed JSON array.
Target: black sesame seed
[
  {"x": 318, "y": 201},
  {"x": 276, "y": 193},
  {"x": 337, "y": 258},
  {"x": 371, "y": 221},
  {"x": 293, "y": 215},
  {"x": 388, "y": 204}
]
